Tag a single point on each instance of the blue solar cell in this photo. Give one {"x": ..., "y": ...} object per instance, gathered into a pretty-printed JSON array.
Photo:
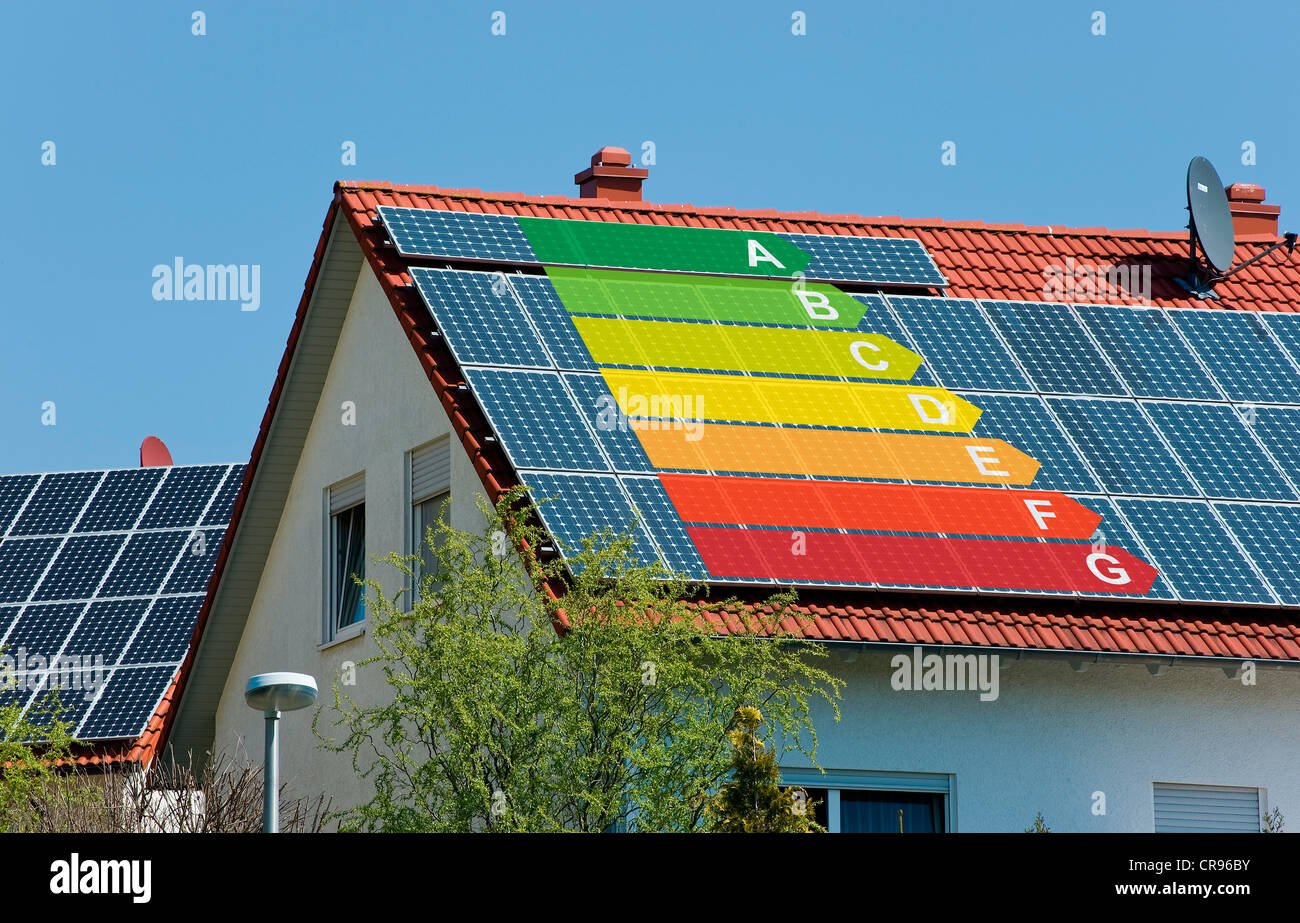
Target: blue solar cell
[
  {"x": 1025, "y": 423},
  {"x": 81, "y": 564},
  {"x": 183, "y": 497},
  {"x": 879, "y": 319},
  {"x": 1113, "y": 531},
  {"x": 144, "y": 563},
  {"x": 584, "y": 504},
  {"x": 1286, "y": 327},
  {"x": 1245, "y": 359},
  {"x": 117, "y": 504},
  {"x": 1195, "y": 552},
  {"x": 105, "y": 628},
  {"x": 1122, "y": 447},
  {"x": 1216, "y": 445},
  {"x": 8, "y": 615},
  {"x": 1279, "y": 429},
  {"x": 165, "y": 633},
  {"x": 126, "y": 703},
  {"x": 479, "y": 318},
  {"x": 21, "y": 565},
  {"x": 223, "y": 503},
  {"x": 1053, "y": 347},
  {"x": 884, "y": 260},
  {"x": 612, "y": 427},
  {"x": 55, "y": 505},
  {"x": 456, "y": 235},
  {"x": 959, "y": 344},
  {"x": 40, "y": 632},
  {"x": 536, "y": 420},
  {"x": 14, "y": 489},
  {"x": 66, "y": 692},
  {"x": 194, "y": 567},
  {"x": 1151, "y": 357},
  {"x": 1271, "y": 535},
  {"x": 552, "y": 320},
  {"x": 663, "y": 523}
]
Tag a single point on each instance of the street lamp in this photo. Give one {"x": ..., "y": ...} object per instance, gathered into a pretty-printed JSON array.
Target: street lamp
[{"x": 272, "y": 693}]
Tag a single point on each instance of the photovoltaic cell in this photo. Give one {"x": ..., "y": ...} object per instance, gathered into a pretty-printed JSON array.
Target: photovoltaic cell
[
  {"x": 1286, "y": 327},
  {"x": 105, "y": 628},
  {"x": 58, "y": 499},
  {"x": 118, "y": 503},
  {"x": 1279, "y": 429},
  {"x": 1245, "y": 359},
  {"x": 884, "y": 260},
  {"x": 144, "y": 563},
  {"x": 1195, "y": 553},
  {"x": 552, "y": 320},
  {"x": 194, "y": 567},
  {"x": 79, "y": 567},
  {"x": 69, "y": 692},
  {"x": 665, "y": 526},
  {"x": 1122, "y": 447},
  {"x": 223, "y": 503},
  {"x": 537, "y": 422},
  {"x": 959, "y": 344},
  {"x": 165, "y": 633},
  {"x": 183, "y": 497},
  {"x": 456, "y": 235},
  {"x": 1216, "y": 445},
  {"x": 41, "y": 630},
  {"x": 1151, "y": 357},
  {"x": 881, "y": 320},
  {"x": 1053, "y": 347},
  {"x": 1113, "y": 531},
  {"x": 126, "y": 703},
  {"x": 612, "y": 428},
  {"x": 478, "y": 316},
  {"x": 21, "y": 564},
  {"x": 1271, "y": 535},
  {"x": 1025, "y": 422},
  {"x": 14, "y": 489},
  {"x": 584, "y": 504}
]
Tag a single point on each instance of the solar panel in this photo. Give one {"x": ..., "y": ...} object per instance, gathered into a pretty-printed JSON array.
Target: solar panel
[
  {"x": 1270, "y": 533},
  {"x": 1243, "y": 356},
  {"x": 612, "y": 427},
  {"x": 883, "y": 260},
  {"x": 92, "y": 554},
  {"x": 1122, "y": 447},
  {"x": 1217, "y": 446},
  {"x": 665, "y": 526},
  {"x": 959, "y": 344},
  {"x": 1285, "y": 326},
  {"x": 1279, "y": 429},
  {"x": 456, "y": 235},
  {"x": 1150, "y": 356},
  {"x": 880, "y": 319},
  {"x": 479, "y": 318},
  {"x": 1053, "y": 347},
  {"x": 558, "y": 335},
  {"x": 1025, "y": 421},
  {"x": 581, "y": 504},
  {"x": 536, "y": 420},
  {"x": 1114, "y": 531}
]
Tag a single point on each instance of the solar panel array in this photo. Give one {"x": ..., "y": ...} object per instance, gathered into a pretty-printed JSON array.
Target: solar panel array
[
  {"x": 102, "y": 574},
  {"x": 1180, "y": 429}
]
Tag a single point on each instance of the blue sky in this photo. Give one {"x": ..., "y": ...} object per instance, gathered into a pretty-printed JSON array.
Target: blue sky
[{"x": 222, "y": 148}]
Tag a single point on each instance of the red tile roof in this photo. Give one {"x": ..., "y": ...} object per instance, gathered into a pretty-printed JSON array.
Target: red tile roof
[{"x": 980, "y": 260}]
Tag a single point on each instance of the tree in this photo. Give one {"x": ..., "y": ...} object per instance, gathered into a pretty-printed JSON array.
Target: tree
[
  {"x": 34, "y": 744},
  {"x": 1040, "y": 825},
  {"x": 753, "y": 802},
  {"x": 501, "y": 707}
]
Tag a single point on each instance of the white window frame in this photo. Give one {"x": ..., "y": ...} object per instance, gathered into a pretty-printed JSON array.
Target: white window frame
[
  {"x": 837, "y": 780},
  {"x": 437, "y": 485},
  {"x": 353, "y": 489}
]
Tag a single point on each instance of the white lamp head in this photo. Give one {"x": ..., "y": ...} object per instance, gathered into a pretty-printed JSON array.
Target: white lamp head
[{"x": 269, "y": 692}]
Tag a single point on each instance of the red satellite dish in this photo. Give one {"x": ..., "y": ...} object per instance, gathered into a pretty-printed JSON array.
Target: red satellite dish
[{"x": 153, "y": 454}]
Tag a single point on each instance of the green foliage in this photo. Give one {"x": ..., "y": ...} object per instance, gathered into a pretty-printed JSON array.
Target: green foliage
[
  {"x": 32, "y": 745},
  {"x": 1273, "y": 822},
  {"x": 1040, "y": 825},
  {"x": 753, "y": 802},
  {"x": 479, "y": 715}
]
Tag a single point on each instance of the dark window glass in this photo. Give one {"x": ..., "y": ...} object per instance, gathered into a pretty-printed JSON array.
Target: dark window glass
[{"x": 883, "y": 812}]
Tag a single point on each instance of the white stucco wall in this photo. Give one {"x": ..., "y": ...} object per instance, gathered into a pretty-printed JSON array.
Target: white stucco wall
[
  {"x": 396, "y": 411},
  {"x": 1054, "y": 736}
]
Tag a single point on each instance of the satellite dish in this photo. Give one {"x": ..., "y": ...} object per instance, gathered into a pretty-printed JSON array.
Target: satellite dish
[
  {"x": 1211, "y": 217},
  {"x": 1211, "y": 227}
]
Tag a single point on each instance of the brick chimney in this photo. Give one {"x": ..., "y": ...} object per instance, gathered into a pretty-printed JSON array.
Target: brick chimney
[
  {"x": 611, "y": 176},
  {"x": 1251, "y": 218}
]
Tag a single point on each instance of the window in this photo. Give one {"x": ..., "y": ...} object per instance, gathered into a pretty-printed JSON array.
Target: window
[
  {"x": 1206, "y": 809},
  {"x": 346, "y": 604},
  {"x": 430, "y": 483},
  {"x": 853, "y": 801}
]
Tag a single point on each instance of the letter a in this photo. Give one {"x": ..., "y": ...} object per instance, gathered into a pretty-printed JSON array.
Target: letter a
[{"x": 758, "y": 254}]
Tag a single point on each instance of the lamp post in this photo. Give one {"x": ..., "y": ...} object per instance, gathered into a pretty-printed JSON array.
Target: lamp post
[{"x": 272, "y": 693}]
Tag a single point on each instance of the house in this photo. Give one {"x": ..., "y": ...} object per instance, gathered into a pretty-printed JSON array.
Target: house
[
  {"x": 102, "y": 574},
  {"x": 1040, "y": 500}
]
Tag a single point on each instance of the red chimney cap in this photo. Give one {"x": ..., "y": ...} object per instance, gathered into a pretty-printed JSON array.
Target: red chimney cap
[
  {"x": 611, "y": 157},
  {"x": 1245, "y": 192},
  {"x": 153, "y": 454}
]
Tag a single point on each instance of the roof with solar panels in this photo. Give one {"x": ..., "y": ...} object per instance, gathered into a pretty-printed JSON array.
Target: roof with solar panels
[
  {"x": 896, "y": 417},
  {"x": 102, "y": 575}
]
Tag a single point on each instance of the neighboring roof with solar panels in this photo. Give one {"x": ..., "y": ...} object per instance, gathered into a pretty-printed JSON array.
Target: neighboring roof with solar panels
[
  {"x": 566, "y": 308},
  {"x": 102, "y": 574}
]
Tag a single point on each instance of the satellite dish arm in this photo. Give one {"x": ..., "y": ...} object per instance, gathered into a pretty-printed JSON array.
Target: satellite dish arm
[{"x": 1288, "y": 241}]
